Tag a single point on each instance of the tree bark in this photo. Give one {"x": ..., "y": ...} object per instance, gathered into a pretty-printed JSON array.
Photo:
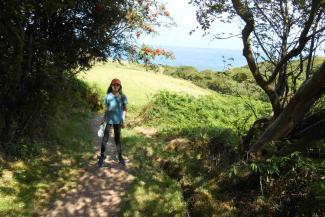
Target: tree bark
[
  {"x": 258, "y": 124},
  {"x": 305, "y": 97},
  {"x": 268, "y": 87}
]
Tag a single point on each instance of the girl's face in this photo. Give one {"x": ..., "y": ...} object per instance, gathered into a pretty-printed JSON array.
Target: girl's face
[{"x": 116, "y": 87}]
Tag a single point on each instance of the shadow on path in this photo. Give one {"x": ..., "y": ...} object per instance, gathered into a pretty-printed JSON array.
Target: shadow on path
[{"x": 98, "y": 191}]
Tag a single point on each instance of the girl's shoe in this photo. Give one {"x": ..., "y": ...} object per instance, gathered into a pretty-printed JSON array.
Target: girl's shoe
[
  {"x": 101, "y": 160},
  {"x": 121, "y": 161}
]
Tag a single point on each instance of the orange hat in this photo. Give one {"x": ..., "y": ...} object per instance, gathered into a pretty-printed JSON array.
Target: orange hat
[{"x": 116, "y": 81}]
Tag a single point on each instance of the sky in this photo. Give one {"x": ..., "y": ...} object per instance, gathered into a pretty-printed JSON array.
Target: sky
[{"x": 184, "y": 17}]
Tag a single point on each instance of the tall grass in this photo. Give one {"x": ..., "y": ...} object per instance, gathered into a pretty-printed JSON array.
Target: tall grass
[
  {"x": 204, "y": 115},
  {"x": 183, "y": 171}
]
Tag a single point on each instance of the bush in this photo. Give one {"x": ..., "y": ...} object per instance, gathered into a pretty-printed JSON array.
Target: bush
[
  {"x": 294, "y": 183},
  {"x": 231, "y": 83},
  {"x": 21, "y": 150},
  {"x": 240, "y": 77},
  {"x": 202, "y": 116},
  {"x": 28, "y": 132}
]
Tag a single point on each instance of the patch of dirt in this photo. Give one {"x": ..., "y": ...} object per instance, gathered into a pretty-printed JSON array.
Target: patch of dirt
[
  {"x": 98, "y": 191},
  {"x": 146, "y": 131},
  {"x": 177, "y": 144}
]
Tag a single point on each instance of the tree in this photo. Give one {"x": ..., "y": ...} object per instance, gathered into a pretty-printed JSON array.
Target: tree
[
  {"x": 277, "y": 34},
  {"x": 45, "y": 43}
]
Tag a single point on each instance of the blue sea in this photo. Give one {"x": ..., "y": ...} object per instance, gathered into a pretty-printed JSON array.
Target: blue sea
[{"x": 204, "y": 58}]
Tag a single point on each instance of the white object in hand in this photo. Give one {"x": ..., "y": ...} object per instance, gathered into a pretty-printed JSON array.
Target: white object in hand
[
  {"x": 101, "y": 130},
  {"x": 123, "y": 116}
]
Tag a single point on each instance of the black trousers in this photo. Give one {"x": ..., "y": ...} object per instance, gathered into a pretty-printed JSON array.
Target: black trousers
[{"x": 117, "y": 138}]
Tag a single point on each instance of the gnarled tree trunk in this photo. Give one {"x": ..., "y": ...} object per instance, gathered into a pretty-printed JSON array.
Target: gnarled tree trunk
[{"x": 295, "y": 111}]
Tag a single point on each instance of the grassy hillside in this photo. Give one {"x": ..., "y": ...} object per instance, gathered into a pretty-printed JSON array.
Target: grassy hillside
[
  {"x": 196, "y": 154},
  {"x": 138, "y": 84},
  {"x": 176, "y": 115},
  {"x": 190, "y": 164}
]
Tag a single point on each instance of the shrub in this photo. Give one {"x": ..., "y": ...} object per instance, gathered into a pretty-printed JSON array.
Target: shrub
[
  {"x": 202, "y": 116},
  {"x": 73, "y": 96},
  {"x": 231, "y": 83},
  {"x": 240, "y": 77},
  {"x": 293, "y": 182}
]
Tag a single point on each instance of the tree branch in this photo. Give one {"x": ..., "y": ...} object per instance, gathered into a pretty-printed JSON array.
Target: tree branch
[
  {"x": 295, "y": 111},
  {"x": 248, "y": 18},
  {"x": 303, "y": 39},
  {"x": 263, "y": 48},
  {"x": 267, "y": 18}
]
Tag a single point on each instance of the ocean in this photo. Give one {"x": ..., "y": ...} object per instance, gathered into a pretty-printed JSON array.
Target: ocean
[{"x": 204, "y": 58}]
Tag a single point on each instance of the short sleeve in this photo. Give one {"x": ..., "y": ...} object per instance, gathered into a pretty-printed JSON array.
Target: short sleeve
[{"x": 108, "y": 101}]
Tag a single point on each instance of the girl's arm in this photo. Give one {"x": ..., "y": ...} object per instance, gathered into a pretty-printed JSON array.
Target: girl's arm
[
  {"x": 124, "y": 114},
  {"x": 125, "y": 108}
]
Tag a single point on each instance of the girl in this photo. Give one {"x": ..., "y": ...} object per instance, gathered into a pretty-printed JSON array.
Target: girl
[{"x": 116, "y": 103}]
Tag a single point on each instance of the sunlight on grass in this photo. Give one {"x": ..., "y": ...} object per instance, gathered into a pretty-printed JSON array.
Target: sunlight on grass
[
  {"x": 138, "y": 84},
  {"x": 28, "y": 185},
  {"x": 8, "y": 190},
  {"x": 154, "y": 192}
]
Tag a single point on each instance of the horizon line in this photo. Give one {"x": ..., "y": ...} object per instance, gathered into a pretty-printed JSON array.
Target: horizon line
[{"x": 182, "y": 46}]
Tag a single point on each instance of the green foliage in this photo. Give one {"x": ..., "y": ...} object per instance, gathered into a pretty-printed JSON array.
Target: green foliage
[
  {"x": 45, "y": 44},
  {"x": 22, "y": 150},
  {"x": 293, "y": 181},
  {"x": 233, "y": 82},
  {"x": 210, "y": 125},
  {"x": 154, "y": 193},
  {"x": 33, "y": 182},
  {"x": 83, "y": 94},
  {"x": 319, "y": 107},
  {"x": 203, "y": 116},
  {"x": 211, "y": 157},
  {"x": 76, "y": 97},
  {"x": 240, "y": 74}
]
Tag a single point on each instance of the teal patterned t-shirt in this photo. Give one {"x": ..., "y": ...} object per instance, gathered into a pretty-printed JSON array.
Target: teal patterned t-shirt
[{"x": 115, "y": 105}]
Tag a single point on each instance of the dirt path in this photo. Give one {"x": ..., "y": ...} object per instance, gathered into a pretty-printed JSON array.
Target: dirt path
[{"x": 98, "y": 192}]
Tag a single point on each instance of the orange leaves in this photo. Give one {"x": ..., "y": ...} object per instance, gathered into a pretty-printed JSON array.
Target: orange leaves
[
  {"x": 147, "y": 53},
  {"x": 132, "y": 17},
  {"x": 144, "y": 17},
  {"x": 148, "y": 28}
]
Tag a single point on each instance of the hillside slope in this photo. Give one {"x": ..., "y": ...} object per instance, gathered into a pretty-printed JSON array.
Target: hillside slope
[
  {"x": 139, "y": 84},
  {"x": 197, "y": 118}
]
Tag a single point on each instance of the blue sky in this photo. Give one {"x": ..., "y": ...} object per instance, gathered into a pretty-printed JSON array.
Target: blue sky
[{"x": 184, "y": 16}]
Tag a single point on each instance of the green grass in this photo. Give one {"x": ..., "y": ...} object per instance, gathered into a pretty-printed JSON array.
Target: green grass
[
  {"x": 138, "y": 84},
  {"x": 184, "y": 111},
  {"x": 28, "y": 185},
  {"x": 181, "y": 110},
  {"x": 210, "y": 124},
  {"x": 154, "y": 193},
  {"x": 185, "y": 115}
]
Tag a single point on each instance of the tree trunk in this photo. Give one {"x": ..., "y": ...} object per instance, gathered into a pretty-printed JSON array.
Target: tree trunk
[
  {"x": 295, "y": 111},
  {"x": 257, "y": 125}
]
